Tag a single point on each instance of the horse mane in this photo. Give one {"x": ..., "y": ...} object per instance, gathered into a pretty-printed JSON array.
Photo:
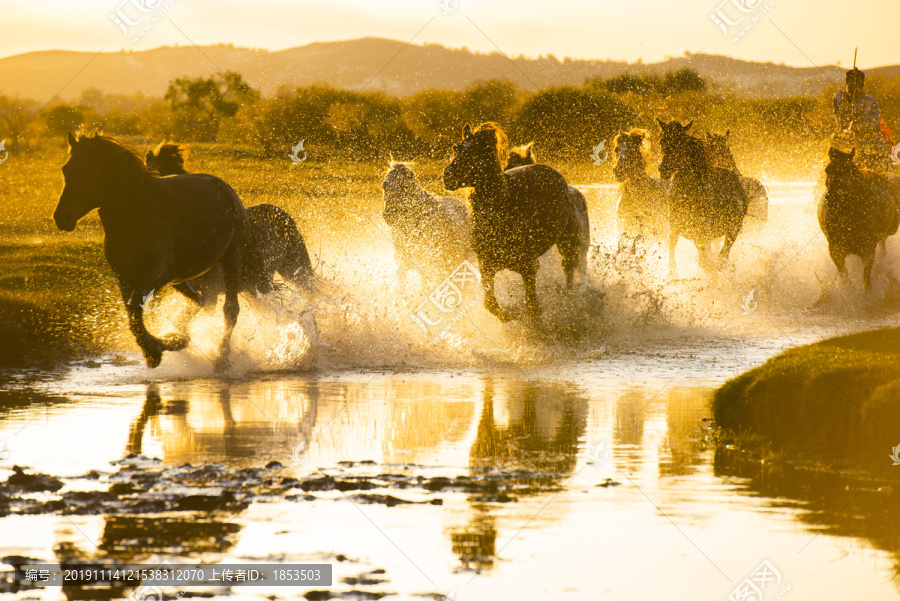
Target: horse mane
[
  {"x": 502, "y": 139},
  {"x": 112, "y": 151},
  {"x": 168, "y": 159},
  {"x": 645, "y": 140},
  {"x": 523, "y": 152}
]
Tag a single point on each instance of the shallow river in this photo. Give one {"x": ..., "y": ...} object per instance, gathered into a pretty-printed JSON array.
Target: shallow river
[{"x": 557, "y": 474}]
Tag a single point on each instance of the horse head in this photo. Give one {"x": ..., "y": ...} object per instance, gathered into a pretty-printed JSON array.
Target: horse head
[
  {"x": 840, "y": 168},
  {"x": 400, "y": 190},
  {"x": 480, "y": 152},
  {"x": 679, "y": 150},
  {"x": 97, "y": 165},
  {"x": 630, "y": 154},
  {"x": 520, "y": 156}
]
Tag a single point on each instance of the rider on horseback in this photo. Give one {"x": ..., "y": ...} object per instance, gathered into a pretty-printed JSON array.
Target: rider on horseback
[{"x": 857, "y": 115}]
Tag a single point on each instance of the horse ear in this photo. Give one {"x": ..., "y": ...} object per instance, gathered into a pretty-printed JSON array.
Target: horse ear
[
  {"x": 727, "y": 133},
  {"x": 467, "y": 131},
  {"x": 661, "y": 124},
  {"x": 529, "y": 150},
  {"x": 688, "y": 126},
  {"x": 853, "y": 153},
  {"x": 72, "y": 140},
  {"x": 149, "y": 156}
]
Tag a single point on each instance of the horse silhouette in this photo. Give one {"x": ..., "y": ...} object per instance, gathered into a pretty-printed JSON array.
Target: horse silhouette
[
  {"x": 430, "y": 234},
  {"x": 158, "y": 231},
  {"x": 271, "y": 241},
  {"x": 642, "y": 207},
  {"x": 857, "y": 212},
  {"x": 520, "y": 156},
  {"x": 705, "y": 202},
  {"x": 517, "y": 215},
  {"x": 718, "y": 153}
]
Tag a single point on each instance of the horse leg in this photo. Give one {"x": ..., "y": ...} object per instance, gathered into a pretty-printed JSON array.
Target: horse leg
[
  {"x": 151, "y": 346},
  {"x": 529, "y": 278},
  {"x": 673, "y": 241},
  {"x": 490, "y": 300},
  {"x": 868, "y": 262},
  {"x": 231, "y": 270},
  {"x": 295, "y": 265}
]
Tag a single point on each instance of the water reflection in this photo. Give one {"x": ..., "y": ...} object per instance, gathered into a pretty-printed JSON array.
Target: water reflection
[
  {"x": 839, "y": 504},
  {"x": 525, "y": 442},
  {"x": 530, "y": 429}
]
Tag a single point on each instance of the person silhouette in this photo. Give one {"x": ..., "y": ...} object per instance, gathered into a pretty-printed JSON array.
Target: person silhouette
[{"x": 857, "y": 116}]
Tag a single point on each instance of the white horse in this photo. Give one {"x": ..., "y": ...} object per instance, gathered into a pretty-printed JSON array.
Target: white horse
[
  {"x": 643, "y": 207},
  {"x": 430, "y": 233}
]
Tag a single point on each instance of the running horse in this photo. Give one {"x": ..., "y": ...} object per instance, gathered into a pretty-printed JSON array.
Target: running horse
[
  {"x": 158, "y": 231},
  {"x": 857, "y": 213},
  {"x": 718, "y": 153},
  {"x": 520, "y": 156},
  {"x": 705, "y": 202},
  {"x": 271, "y": 241},
  {"x": 517, "y": 215},
  {"x": 642, "y": 207}
]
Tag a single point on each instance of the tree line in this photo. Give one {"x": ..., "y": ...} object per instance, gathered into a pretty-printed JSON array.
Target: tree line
[{"x": 565, "y": 122}]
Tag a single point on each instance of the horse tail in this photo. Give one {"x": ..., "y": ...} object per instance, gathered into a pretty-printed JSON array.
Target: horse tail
[{"x": 294, "y": 264}]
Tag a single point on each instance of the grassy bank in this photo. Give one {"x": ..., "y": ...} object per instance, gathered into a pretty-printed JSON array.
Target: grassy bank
[{"x": 835, "y": 402}]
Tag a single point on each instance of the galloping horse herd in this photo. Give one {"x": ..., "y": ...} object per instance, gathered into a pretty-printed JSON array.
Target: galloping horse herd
[{"x": 165, "y": 226}]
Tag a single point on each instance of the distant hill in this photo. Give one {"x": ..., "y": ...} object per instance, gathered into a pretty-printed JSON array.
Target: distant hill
[{"x": 360, "y": 63}]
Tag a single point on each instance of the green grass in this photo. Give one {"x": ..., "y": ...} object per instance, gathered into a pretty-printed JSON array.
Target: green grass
[{"x": 836, "y": 401}]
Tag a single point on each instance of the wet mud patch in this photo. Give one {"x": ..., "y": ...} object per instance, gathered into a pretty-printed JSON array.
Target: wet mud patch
[{"x": 142, "y": 486}]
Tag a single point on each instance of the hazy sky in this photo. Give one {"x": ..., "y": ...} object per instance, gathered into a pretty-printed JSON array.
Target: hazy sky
[{"x": 796, "y": 32}]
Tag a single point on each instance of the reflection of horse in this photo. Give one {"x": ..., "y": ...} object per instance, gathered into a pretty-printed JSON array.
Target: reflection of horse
[
  {"x": 858, "y": 211},
  {"x": 271, "y": 243},
  {"x": 428, "y": 232},
  {"x": 538, "y": 442},
  {"x": 719, "y": 154},
  {"x": 642, "y": 206},
  {"x": 159, "y": 231},
  {"x": 705, "y": 202},
  {"x": 517, "y": 215}
]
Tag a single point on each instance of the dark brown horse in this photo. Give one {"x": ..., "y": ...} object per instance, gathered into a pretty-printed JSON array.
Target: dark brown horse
[
  {"x": 159, "y": 231},
  {"x": 718, "y": 153},
  {"x": 705, "y": 202},
  {"x": 642, "y": 209},
  {"x": 520, "y": 156},
  {"x": 271, "y": 242},
  {"x": 857, "y": 212},
  {"x": 517, "y": 215}
]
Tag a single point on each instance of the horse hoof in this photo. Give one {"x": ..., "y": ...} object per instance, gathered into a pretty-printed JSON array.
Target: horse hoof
[
  {"x": 174, "y": 342},
  {"x": 153, "y": 357}
]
